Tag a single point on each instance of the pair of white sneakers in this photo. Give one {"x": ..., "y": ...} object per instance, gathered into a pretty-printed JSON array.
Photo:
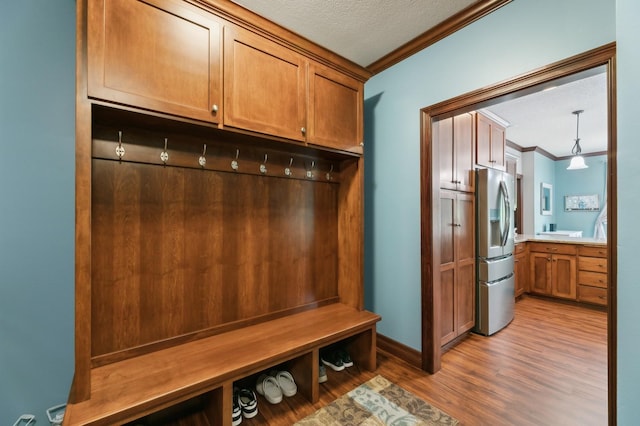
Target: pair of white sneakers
[{"x": 245, "y": 404}]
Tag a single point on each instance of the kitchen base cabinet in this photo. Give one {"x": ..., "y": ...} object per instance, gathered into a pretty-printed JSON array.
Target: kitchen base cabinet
[
  {"x": 592, "y": 275},
  {"x": 553, "y": 270},
  {"x": 457, "y": 264},
  {"x": 568, "y": 271},
  {"x": 521, "y": 270}
]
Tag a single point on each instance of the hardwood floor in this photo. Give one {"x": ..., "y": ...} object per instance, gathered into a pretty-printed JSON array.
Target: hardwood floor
[{"x": 548, "y": 367}]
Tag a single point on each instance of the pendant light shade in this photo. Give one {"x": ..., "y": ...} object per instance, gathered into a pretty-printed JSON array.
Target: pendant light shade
[{"x": 577, "y": 161}]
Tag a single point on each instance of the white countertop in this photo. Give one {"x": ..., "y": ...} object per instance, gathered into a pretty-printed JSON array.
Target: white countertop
[{"x": 521, "y": 238}]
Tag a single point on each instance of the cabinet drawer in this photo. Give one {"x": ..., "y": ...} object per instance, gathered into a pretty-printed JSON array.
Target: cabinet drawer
[
  {"x": 519, "y": 248},
  {"x": 592, "y": 251},
  {"x": 595, "y": 264},
  {"x": 595, "y": 279},
  {"x": 594, "y": 295},
  {"x": 553, "y": 248}
]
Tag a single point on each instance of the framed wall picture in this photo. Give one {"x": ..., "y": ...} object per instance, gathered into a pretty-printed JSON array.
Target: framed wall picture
[
  {"x": 546, "y": 199},
  {"x": 582, "y": 203}
]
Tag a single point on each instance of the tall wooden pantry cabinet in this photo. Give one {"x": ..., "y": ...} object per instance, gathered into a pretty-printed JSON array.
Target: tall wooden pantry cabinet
[{"x": 455, "y": 140}]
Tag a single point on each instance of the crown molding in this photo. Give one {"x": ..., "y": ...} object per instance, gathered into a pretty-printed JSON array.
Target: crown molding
[{"x": 437, "y": 33}]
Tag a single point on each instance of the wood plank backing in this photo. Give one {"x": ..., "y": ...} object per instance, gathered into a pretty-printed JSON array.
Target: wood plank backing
[{"x": 177, "y": 251}]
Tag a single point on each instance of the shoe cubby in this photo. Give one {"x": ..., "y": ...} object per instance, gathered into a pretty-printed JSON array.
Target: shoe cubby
[{"x": 204, "y": 410}]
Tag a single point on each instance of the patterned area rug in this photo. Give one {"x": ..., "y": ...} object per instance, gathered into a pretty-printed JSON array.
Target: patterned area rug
[{"x": 378, "y": 402}]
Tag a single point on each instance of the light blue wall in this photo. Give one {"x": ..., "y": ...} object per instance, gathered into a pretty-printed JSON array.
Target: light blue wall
[
  {"x": 579, "y": 182},
  {"x": 519, "y": 37},
  {"x": 37, "y": 166},
  {"x": 628, "y": 154},
  {"x": 37, "y": 86}
]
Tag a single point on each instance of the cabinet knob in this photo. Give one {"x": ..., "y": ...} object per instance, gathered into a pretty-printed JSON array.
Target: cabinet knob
[
  {"x": 303, "y": 130},
  {"x": 361, "y": 143},
  {"x": 214, "y": 108}
]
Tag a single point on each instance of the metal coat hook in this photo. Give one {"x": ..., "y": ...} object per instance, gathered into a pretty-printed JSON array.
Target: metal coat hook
[
  {"x": 202, "y": 160},
  {"x": 310, "y": 171},
  {"x": 329, "y": 177},
  {"x": 287, "y": 170},
  {"x": 234, "y": 163},
  {"x": 164, "y": 155},
  {"x": 120, "y": 148},
  {"x": 263, "y": 166}
]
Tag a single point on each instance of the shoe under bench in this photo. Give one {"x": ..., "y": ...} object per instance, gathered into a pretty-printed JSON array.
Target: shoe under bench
[{"x": 130, "y": 389}]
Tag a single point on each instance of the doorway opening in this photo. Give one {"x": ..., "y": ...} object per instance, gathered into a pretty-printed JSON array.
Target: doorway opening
[{"x": 559, "y": 72}]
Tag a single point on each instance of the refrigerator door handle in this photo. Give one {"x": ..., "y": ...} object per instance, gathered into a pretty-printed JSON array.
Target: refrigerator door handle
[{"x": 507, "y": 205}]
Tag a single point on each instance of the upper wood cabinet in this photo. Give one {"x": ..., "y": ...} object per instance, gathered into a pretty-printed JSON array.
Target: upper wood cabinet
[
  {"x": 264, "y": 85},
  {"x": 455, "y": 139},
  {"x": 335, "y": 109},
  {"x": 490, "y": 143},
  {"x": 159, "y": 55}
]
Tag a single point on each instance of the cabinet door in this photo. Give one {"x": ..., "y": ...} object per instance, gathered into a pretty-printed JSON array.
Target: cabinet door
[
  {"x": 490, "y": 143},
  {"x": 443, "y": 138},
  {"x": 540, "y": 273},
  {"x": 521, "y": 274},
  {"x": 334, "y": 110},
  {"x": 497, "y": 146},
  {"x": 447, "y": 266},
  {"x": 457, "y": 264},
  {"x": 455, "y": 139},
  {"x": 465, "y": 306},
  {"x": 563, "y": 273},
  {"x": 159, "y": 55},
  {"x": 264, "y": 85},
  {"x": 463, "y": 138},
  {"x": 483, "y": 141}
]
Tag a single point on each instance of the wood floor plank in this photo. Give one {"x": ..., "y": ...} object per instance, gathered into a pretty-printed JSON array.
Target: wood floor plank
[{"x": 549, "y": 366}]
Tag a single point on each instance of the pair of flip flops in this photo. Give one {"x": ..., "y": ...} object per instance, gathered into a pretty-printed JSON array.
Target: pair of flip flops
[{"x": 275, "y": 385}]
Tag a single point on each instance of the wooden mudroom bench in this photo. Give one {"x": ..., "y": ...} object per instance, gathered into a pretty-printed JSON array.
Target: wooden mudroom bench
[{"x": 127, "y": 390}]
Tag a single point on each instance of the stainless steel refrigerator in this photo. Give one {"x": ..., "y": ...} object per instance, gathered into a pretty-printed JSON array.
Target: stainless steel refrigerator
[{"x": 495, "y": 234}]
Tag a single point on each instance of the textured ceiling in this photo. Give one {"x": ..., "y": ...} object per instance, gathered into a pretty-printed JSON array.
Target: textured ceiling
[
  {"x": 360, "y": 30},
  {"x": 364, "y": 31},
  {"x": 545, "y": 118}
]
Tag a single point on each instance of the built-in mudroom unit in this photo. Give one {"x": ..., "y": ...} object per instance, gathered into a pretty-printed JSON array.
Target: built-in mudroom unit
[{"x": 219, "y": 209}]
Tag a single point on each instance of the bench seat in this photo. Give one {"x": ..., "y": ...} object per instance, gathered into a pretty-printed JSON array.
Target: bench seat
[{"x": 129, "y": 389}]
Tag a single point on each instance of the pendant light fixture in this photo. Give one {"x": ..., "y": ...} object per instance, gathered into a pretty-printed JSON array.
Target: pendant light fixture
[{"x": 577, "y": 161}]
